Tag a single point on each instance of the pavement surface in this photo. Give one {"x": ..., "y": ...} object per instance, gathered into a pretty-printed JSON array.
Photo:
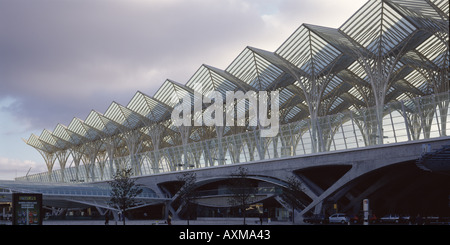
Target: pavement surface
[{"x": 234, "y": 221}]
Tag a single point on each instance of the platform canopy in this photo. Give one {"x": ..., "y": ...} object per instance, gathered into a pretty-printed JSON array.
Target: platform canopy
[
  {"x": 64, "y": 195},
  {"x": 388, "y": 51}
]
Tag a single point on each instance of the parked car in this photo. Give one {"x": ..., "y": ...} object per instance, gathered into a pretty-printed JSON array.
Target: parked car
[
  {"x": 431, "y": 219},
  {"x": 390, "y": 218},
  {"x": 339, "y": 218},
  {"x": 316, "y": 219},
  {"x": 394, "y": 218}
]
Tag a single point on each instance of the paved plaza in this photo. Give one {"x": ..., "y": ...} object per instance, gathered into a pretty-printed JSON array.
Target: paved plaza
[{"x": 232, "y": 221}]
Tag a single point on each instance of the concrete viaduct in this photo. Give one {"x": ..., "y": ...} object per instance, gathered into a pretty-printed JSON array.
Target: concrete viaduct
[{"x": 352, "y": 166}]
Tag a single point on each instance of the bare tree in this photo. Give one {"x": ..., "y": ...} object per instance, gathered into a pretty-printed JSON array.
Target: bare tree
[
  {"x": 292, "y": 192},
  {"x": 187, "y": 193},
  {"x": 242, "y": 190},
  {"x": 124, "y": 190}
]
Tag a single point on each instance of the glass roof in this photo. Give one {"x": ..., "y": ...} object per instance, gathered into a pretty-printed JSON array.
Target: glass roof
[
  {"x": 432, "y": 50},
  {"x": 378, "y": 27},
  {"x": 125, "y": 116},
  {"x": 309, "y": 52},
  {"x": 314, "y": 65},
  {"x": 254, "y": 69},
  {"x": 208, "y": 79},
  {"x": 423, "y": 13},
  {"x": 149, "y": 107},
  {"x": 171, "y": 93}
]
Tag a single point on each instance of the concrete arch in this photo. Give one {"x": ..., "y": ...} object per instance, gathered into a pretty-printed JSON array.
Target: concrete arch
[{"x": 360, "y": 162}]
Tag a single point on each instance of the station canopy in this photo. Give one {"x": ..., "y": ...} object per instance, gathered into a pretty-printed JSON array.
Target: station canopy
[{"x": 389, "y": 50}]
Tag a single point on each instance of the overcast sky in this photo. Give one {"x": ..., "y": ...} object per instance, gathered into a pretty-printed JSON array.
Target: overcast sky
[{"x": 60, "y": 59}]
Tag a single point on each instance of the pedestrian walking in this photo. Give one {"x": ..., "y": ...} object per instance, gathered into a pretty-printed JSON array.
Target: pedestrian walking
[
  {"x": 169, "y": 219},
  {"x": 106, "y": 218},
  {"x": 419, "y": 220}
]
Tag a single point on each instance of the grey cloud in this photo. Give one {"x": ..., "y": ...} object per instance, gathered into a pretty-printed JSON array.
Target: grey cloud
[{"x": 63, "y": 58}]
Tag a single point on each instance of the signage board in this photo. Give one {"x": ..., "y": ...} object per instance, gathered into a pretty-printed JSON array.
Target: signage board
[
  {"x": 27, "y": 209},
  {"x": 366, "y": 211}
]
